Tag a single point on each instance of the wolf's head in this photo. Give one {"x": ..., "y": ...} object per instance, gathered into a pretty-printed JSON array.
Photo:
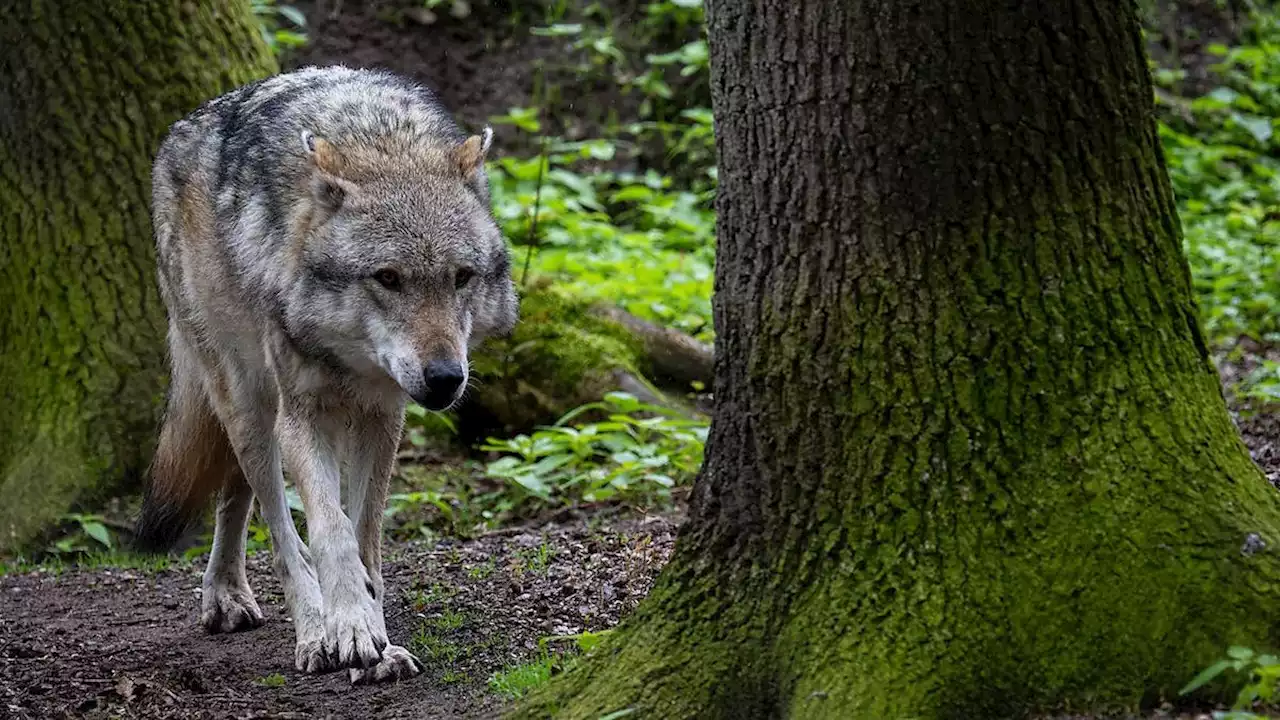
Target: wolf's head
[{"x": 402, "y": 269}]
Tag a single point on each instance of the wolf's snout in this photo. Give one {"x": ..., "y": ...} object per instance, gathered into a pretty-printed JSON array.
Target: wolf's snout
[{"x": 442, "y": 379}]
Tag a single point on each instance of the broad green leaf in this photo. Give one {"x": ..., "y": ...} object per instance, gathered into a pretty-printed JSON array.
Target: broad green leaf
[
  {"x": 1240, "y": 653},
  {"x": 557, "y": 30},
  {"x": 99, "y": 532},
  {"x": 1205, "y": 676},
  {"x": 294, "y": 15},
  {"x": 1260, "y": 128}
]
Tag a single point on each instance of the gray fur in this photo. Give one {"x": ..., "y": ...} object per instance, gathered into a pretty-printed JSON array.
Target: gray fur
[{"x": 283, "y": 211}]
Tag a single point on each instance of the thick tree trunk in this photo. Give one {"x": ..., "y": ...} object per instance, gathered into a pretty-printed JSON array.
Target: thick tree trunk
[
  {"x": 968, "y": 455},
  {"x": 87, "y": 90}
]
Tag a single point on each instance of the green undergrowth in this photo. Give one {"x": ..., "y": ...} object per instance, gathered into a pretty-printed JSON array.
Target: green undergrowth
[
  {"x": 1260, "y": 673},
  {"x": 283, "y": 26},
  {"x": 622, "y": 456},
  {"x": 1223, "y": 153},
  {"x": 556, "y": 654},
  {"x": 85, "y": 541},
  {"x": 56, "y": 564},
  {"x": 632, "y": 453},
  {"x": 626, "y": 216},
  {"x": 636, "y": 240}
]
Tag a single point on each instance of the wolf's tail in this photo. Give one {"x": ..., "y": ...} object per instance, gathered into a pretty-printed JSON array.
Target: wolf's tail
[{"x": 193, "y": 461}]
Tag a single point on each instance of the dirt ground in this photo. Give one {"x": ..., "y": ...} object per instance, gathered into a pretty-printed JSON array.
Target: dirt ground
[{"x": 113, "y": 643}]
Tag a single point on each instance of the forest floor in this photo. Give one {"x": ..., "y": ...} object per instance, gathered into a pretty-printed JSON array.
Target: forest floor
[{"x": 113, "y": 642}]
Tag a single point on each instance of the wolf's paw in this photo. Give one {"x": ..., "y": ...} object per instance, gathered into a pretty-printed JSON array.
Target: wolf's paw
[
  {"x": 397, "y": 664},
  {"x": 309, "y": 656},
  {"x": 353, "y": 636},
  {"x": 228, "y": 608}
]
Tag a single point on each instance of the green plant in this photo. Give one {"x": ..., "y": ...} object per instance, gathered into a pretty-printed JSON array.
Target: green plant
[
  {"x": 435, "y": 650},
  {"x": 518, "y": 680},
  {"x": 584, "y": 642},
  {"x": 274, "y": 21},
  {"x": 449, "y": 620},
  {"x": 454, "y": 676},
  {"x": 90, "y": 533},
  {"x": 480, "y": 572},
  {"x": 459, "y": 9},
  {"x": 1262, "y": 383},
  {"x": 16, "y": 566},
  {"x": 422, "y": 424},
  {"x": 56, "y": 563},
  {"x": 625, "y": 456},
  {"x": 274, "y": 680},
  {"x": 1222, "y": 154},
  {"x": 421, "y": 599},
  {"x": 1262, "y": 673},
  {"x": 444, "y": 500},
  {"x": 536, "y": 560},
  {"x": 408, "y": 508}
]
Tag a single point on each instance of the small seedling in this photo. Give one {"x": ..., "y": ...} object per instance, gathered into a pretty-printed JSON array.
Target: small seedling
[{"x": 274, "y": 680}]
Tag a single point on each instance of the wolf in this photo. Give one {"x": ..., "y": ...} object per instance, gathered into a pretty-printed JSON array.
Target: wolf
[{"x": 325, "y": 252}]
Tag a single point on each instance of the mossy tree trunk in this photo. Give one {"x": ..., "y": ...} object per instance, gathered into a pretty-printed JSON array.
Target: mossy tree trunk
[
  {"x": 87, "y": 90},
  {"x": 968, "y": 457}
]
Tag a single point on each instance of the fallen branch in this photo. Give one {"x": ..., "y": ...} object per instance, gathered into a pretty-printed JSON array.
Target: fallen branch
[
  {"x": 567, "y": 352},
  {"x": 674, "y": 355}
]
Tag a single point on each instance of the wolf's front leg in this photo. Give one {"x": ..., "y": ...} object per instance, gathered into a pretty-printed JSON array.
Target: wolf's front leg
[
  {"x": 250, "y": 419},
  {"x": 372, "y": 441},
  {"x": 355, "y": 635}
]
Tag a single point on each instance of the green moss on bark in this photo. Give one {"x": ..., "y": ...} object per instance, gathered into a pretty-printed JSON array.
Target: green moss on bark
[
  {"x": 969, "y": 458},
  {"x": 90, "y": 89},
  {"x": 560, "y": 356}
]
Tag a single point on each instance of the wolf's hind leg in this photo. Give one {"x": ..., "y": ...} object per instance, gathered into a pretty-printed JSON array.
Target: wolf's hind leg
[
  {"x": 228, "y": 603},
  {"x": 195, "y": 460}
]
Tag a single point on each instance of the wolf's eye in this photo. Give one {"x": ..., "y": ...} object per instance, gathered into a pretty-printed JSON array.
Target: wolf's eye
[
  {"x": 390, "y": 279},
  {"x": 464, "y": 276}
]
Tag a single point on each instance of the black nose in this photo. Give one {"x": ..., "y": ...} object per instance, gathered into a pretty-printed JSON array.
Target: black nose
[{"x": 443, "y": 378}]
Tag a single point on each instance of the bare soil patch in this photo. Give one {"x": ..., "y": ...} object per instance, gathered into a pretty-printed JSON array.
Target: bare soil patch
[{"x": 126, "y": 643}]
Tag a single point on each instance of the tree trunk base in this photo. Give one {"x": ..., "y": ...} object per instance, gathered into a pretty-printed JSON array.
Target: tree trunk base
[{"x": 1105, "y": 603}]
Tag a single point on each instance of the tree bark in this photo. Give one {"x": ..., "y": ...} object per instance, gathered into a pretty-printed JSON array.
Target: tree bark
[
  {"x": 87, "y": 90},
  {"x": 968, "y": 456}
]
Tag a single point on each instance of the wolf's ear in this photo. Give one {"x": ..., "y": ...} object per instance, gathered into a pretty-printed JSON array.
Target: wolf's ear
[
  {"x": 471, "y": 153},
  {"x": 327, "y": 185}
]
